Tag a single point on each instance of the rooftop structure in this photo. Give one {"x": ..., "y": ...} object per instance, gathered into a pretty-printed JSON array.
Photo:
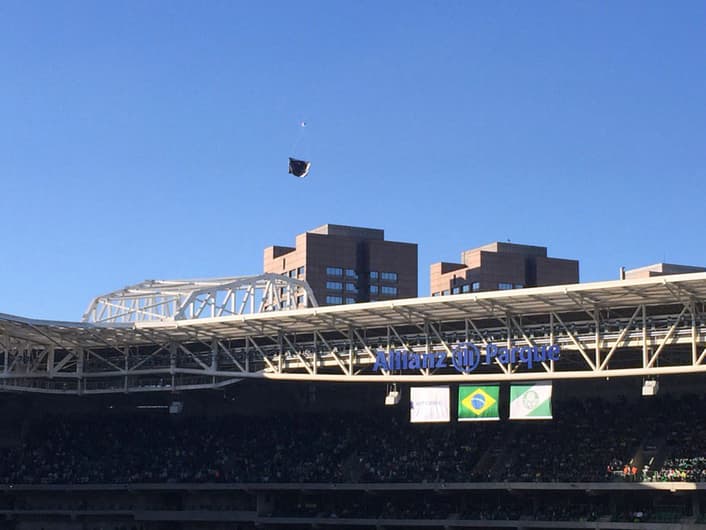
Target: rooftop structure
[
  {"x": 623, "y": 328},
  {"x": 661, "y": 269},
  {"x": 169, "y": 300}
]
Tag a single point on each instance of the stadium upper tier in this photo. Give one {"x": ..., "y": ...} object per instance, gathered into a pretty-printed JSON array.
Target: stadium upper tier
[
  {"x": 590, "y": 440},
  {"x": 625, "y": 327}
]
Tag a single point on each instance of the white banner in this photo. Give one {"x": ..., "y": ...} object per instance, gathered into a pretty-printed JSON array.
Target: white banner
[
  {"x": 531, "y": 401},
  {"x": 430, "y": 404}
]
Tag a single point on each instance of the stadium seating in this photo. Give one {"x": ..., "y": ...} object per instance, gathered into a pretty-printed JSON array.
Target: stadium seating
[{"x": 588, "y": 441}]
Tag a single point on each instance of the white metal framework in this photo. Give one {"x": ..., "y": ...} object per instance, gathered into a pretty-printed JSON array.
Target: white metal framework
[
  {"x": 646, "y": 328},
  {"x": 167, "y": 300}
]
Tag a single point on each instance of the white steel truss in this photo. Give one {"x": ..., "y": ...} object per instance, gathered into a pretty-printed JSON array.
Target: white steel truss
[
  {"x": 644, "y": 328},
  {"x": 168, "y": 300}
]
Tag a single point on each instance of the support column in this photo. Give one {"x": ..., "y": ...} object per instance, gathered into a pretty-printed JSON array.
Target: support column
[
  {"x": 695, "y": 504},
  {"x": 265, "y": 504},
  {"x": 173, "y": 363}
]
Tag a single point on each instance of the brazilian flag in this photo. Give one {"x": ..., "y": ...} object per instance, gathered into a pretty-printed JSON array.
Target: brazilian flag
[{"x": 478, "y": 403}]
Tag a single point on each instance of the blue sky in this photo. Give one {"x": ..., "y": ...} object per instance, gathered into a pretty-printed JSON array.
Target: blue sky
[{"x": 150, "y": 139}]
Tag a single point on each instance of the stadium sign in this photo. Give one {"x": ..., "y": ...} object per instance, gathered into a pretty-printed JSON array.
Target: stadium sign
[{"x": 466, "y": 357}]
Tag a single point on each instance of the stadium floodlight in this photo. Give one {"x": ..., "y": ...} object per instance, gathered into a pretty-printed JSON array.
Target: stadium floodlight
[
  {"x": 392, "y": 398},
  {"x": 393, "y": 395},
  {"x": 650, "y": 387}
]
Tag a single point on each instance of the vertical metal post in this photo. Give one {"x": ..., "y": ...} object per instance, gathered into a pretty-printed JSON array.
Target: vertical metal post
[
  {"x": 79, "y": 369},
  {"x": 551, "y": 337},
  {"x": 645, "y": 356},
  {"x": 694, "y": 333},
  {"x": 214, "y": 354},
  {"x": 597, "y": 323},
  {"x": 50, "y": 362},
  {"x": 247, "y": 354},
  {"x": 214, "y": 358},
  {"x": 126, "y": 367},
  {"x": 350, "y": 350},
  {"x": 316, "y": 353},
  {"x": 173, "y": 362},
  {"x": 280, "y": 345}
]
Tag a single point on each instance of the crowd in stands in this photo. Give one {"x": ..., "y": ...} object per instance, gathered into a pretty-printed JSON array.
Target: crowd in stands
[
  {"x": 681, "y": 423},
  {"x": 588, "y": 440},
  {"x": 690, "y": 469}
]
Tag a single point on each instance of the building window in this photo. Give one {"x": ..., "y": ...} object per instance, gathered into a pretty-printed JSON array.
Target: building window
[
  {"x": 504, "y": 286},
  {"x": 334, "y": 286},
  {"x": 334, "y": 271},
  {"x": 437, "y": 293},
  {"x": 350, "y": 300},
  {"x": 293, "y": 273},
  {"x": 389, "y": 276},
  {"x": 475, "y": 286},
  {"x": 350, "y": 273},
  {"x": 373, "y": 289},
  {"x": 518, "y": 286},
  {"x": 300, "y": 271},
  {"x": 351, "y": 288},
  {"x": 373, "y": 275},
  {"x": 445, "y": 292},
  {"x": 466, "y": 288},
  {"x": 386, "y": 289},
  {"x": 456, "y": 290},
  {"x": 334, "y": 299},
  {"x": 300, "y": 299}
]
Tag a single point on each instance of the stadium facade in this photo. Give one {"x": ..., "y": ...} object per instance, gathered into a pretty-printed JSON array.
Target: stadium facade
[
  {"x": 283, "y": 423},
  {"x": 637, "y": 328}
]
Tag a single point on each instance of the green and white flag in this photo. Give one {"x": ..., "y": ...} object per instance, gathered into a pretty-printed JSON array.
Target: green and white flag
[
  {"x": 531, "y": 402},
  {"x": 478, "y": 403}
]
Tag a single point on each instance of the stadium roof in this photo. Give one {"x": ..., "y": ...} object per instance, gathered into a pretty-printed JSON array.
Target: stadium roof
[{"x": 674, "y": 289}]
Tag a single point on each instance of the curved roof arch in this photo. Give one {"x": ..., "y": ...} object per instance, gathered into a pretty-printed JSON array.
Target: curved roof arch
[{"x": 170, "y": 300}]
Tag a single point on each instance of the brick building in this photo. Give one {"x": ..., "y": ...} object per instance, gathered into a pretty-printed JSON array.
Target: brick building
[
  {"x": 501, "y": 266},
  {"x": 347, "y": 264},
  {"x": 660, "y": 269}
]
